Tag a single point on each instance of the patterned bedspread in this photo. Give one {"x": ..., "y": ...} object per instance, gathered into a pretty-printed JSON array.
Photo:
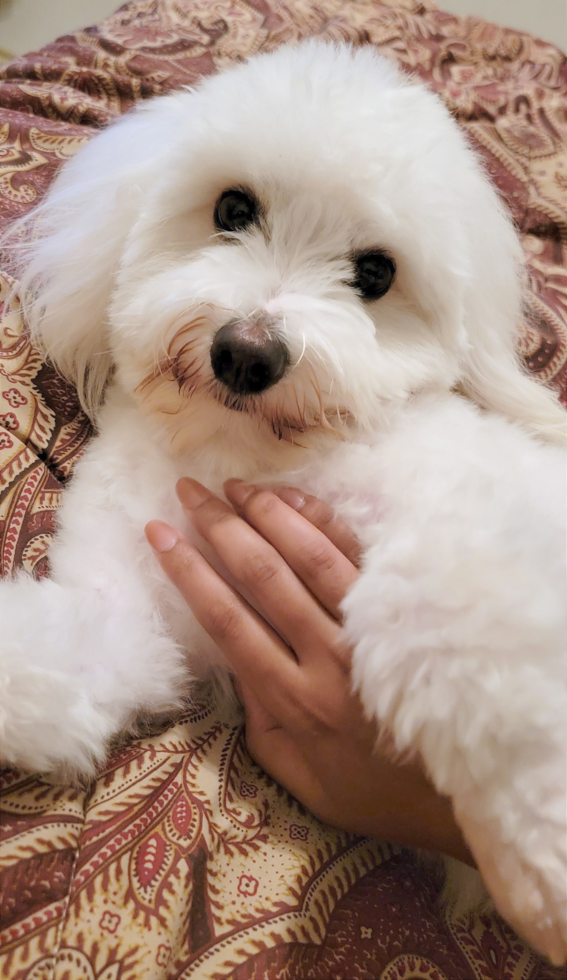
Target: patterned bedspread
[{"x": 183, "y": 859}]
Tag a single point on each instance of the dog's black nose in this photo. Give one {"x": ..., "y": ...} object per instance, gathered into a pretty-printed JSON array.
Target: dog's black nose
[{"x": 247, "y": 357}]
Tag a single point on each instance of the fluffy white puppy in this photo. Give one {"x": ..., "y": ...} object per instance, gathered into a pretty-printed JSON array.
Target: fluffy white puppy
[{"x": 299, "y": 272}]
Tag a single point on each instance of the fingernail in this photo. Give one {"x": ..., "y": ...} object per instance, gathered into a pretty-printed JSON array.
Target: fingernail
[
  {"x": 238, "y": 491},
  {"x": 191, "y": 493},
  {"x": 294, "y": 498},
  {"x": 161, "y": 536}
]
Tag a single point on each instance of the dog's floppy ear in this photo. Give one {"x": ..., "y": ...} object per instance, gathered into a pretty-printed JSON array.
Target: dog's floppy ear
[
  {"x": 493, "y": 375},
  {"x": 69, "y": 247}
]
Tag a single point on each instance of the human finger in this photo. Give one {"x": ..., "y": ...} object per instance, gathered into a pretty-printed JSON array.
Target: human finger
[
  {"x": 265, "y": 575},
  {"x": 322, "y": 516},
  {"x": 237, "y": 629},
  {"x": 320, "y": 565}
]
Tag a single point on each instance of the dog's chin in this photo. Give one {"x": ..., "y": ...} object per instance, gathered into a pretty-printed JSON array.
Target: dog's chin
[
  {"x": 285, "y": 425},
  {"x": 235, "y": 402},
  {"x": 197, "y": 414}
]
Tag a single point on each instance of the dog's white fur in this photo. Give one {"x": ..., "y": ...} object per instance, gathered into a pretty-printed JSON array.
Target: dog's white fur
[{"x": 409, "y": 414}]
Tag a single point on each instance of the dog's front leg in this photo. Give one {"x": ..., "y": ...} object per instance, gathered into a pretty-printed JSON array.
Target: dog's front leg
[
  {"x": 84, "y": 654},
  {"x": 457, "y": 622},
  {"x": 76, "y": 669}
]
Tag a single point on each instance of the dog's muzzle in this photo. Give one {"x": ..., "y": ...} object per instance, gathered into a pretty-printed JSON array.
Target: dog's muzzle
[{"x": 247, "y": 357}]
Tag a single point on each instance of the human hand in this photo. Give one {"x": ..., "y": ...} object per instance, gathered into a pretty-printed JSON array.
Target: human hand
[{"x": 304, "y": 725}]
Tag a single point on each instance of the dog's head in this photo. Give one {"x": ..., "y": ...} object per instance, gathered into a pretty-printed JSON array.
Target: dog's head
[{"x": 281, "y": 255}]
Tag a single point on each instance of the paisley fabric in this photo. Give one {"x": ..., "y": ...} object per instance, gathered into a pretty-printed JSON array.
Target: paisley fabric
[{"x": 182, "y": 859}]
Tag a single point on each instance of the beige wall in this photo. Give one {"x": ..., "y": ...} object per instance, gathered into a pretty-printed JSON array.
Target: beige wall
[
  {"x": 544, "y": 18},
  {"x": 27, "y": 24}
]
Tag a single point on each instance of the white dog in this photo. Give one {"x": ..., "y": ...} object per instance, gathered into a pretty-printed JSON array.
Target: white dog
[{"x": 299, "y": 272}]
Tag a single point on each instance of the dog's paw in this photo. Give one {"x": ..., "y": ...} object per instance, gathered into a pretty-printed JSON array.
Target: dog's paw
[
  {"x": 527, "y": 884},
  {"x": 47, "y": 721}
]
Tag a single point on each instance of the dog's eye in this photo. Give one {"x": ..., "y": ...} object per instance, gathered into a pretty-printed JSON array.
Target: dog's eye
[
  {"x": 374, "y": 274},
  {"x": 235, "y": 211}
]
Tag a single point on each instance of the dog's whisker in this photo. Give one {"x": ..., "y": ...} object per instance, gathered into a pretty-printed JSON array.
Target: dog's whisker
[{"x": 303, "y": 348}]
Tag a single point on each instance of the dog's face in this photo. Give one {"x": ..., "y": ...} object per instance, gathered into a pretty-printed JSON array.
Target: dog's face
[
  {"x": 270, "y": 309},
  {"x": 281, "y": 256}
]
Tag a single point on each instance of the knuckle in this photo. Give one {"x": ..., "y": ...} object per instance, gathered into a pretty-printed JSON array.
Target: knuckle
[
  {"x": 224, "y": 621},
  {"x": 318, "y": 722},
  {"x": 318, "y": 512},
  {"x": 262, "y": 504},
  {"x": 341, "y": 654},
  {"x": 318, "y": 558},
  {"x": 222, "y": 517},
  {"x": 212, "y": 515},
  {"x": 314, "y": 716},
  {"x": 259, "y": 569}
]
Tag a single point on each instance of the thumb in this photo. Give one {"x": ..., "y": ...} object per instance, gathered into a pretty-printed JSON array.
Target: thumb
[
  {"x": 258, "y": 718},
  {"x": 275, "y": 751}
]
